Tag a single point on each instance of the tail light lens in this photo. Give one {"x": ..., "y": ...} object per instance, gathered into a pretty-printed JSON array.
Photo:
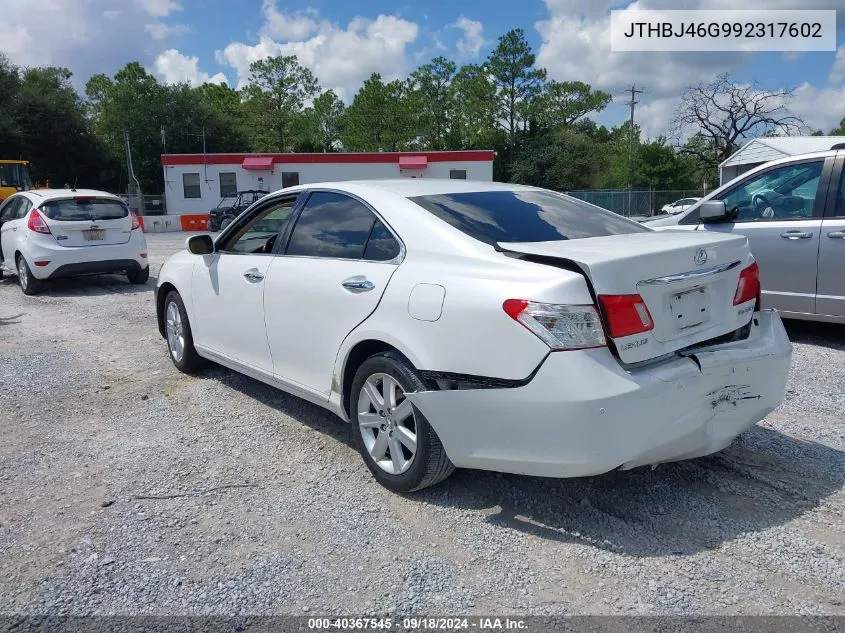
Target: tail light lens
[
  {"x": 36, "y": 223},
  {"x": 561, "y": 327},
  {"x": 748, "y": 287},
  {"x": 626, "y": 315},
  {"x": 136, "y": 223}
]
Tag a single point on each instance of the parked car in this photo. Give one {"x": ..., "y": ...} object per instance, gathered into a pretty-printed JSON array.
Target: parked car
[
  {"x": 792, "y": 211},
  {"x": 483, "y": 325},
  {"x": 679, "y": 205},
  {"x": 231, "y": 207},
  {"x": 51, "y": 233}
]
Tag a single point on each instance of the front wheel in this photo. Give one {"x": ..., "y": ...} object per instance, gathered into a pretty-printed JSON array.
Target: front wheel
[
  {"x": 138, "y": 276},
  {"x": 396, "y": 441},
  {"x": 180, "y": 341},
  {"x": 29, "y": 284},
  {"x": 225, "y": 222}
]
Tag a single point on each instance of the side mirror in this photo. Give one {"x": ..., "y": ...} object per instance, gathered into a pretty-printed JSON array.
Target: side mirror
[
  {"x": 201, "y": 244},
  {"x": 713, "y": 211}
]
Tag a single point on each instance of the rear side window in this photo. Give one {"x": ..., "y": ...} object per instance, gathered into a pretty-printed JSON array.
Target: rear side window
[
  {"x": 525, "y": 216},
  {"x": 331, "y": 225},
  {"x": 84, "y": 209},
  {"x": 381, "y": 246}
]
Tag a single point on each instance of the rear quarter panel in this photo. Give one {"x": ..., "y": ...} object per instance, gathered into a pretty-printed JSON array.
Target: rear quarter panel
[{"x": 473, "y": 335}]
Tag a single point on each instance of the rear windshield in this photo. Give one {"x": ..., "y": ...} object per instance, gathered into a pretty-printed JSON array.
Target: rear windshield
[
  {"x": 525, "y": 216},
  {"x": 84, "y": 209}
]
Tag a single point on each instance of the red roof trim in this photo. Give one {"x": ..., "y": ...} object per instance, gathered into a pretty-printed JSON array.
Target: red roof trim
[{"x": 346, "y": 158}]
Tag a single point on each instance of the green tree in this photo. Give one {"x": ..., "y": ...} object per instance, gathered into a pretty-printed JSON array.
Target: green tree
[
  {"x": 473, "y": 96},
  {"x": 562, "y": 103},
  {"x": 432, "y": 85},
  {"x": 323, "y": 123},
  {"x": 511, "y": 67},
  {"x": 839, "y": 131},
  {"x": 275, "y": 96},
  {"x": 380, "y": 118}
]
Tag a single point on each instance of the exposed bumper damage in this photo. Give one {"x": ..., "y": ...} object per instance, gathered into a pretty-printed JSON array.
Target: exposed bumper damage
[{"x": 583, "y": 414}]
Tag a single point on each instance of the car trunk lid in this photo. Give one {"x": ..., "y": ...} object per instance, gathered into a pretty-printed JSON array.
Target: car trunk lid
[
  {"x": 686, "y": 280},
  {"x": 87, "y": 221}
]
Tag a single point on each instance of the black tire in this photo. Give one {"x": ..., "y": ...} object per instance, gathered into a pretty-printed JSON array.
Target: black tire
[
  {"x": 138, "y": 276},
  {"x": 189, "y": 361},
  {"x": 226, "y": 221},
  {"x": 29, "y": 284},
  {"x": 213, "y": 226},
  {"x": 430, "y": 464}
]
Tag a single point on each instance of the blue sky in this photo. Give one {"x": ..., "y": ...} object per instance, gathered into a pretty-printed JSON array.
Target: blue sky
[{"x": 343, "y": 42}]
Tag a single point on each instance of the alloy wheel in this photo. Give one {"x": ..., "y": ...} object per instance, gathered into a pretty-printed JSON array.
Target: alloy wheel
[
  {"x": 388, "y": 423},
  {"x": 175, "y": 331}
]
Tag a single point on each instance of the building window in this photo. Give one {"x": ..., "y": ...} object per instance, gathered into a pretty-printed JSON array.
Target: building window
[
  {"x": 191, "y": 185},
  {"x": 228, "y": 184},
  {"x": 458, "y": 174},
  {"x": 290, "y": 178}
]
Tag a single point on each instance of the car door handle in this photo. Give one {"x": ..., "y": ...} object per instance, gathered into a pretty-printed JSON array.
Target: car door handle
[
  {"x": 840, "y": 235},
  {"x": 358, "y": 285},
  {"x": 796, "y": 235},
  {"x": 253, "y": 276}
]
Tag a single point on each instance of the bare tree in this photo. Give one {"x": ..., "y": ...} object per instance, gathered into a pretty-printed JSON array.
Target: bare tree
[{"x": 724, "y": 112}]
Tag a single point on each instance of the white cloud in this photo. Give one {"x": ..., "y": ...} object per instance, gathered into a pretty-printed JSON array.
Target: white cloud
[
  {"x": 470, "y": 43},
  {"x": 159, "y": 8},
  {"x": 286, "y": 26},
  {"x": 96, "y": 36},
  {"x": 837, "y": 71},
  {"x": 341, "y": 58},
  {"x": 820, "y": 108},
  {"x": 162, "y": 31},
  {"x": 174, "y": 67}
]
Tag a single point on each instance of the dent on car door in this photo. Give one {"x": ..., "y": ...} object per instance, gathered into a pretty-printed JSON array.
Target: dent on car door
[
  {"x": 336, "y": 266},
  {"x": 831, "y": 285},
  {"x": 780, "y": 212},
  {"x": 228, "y": 288}
]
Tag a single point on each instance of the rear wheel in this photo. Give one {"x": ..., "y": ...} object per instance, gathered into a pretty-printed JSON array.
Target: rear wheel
[
  {"x": 180, "y": 342},
  {"x": 138, "y": 276},
  {"x": 29, "y": 284},
  {"x": 225, "y": 222},
  {"x": 396, "y": 441}
]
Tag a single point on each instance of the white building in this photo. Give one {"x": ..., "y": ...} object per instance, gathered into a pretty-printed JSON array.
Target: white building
[
  {"x": 762, "y": 150},
  {"x": 196, "y": 183}
]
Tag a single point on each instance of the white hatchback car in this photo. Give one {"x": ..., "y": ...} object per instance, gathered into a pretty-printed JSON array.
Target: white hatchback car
[
  {"x": 51, "y": 233},
  {"x": 483, "y": 325}
]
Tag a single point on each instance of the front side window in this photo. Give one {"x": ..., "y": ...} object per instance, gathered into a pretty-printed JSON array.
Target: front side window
[
  {"x": 525, "y": 216},
  {"x": 782, "y": 193},
  {"x": 331, "y": 225},
  {"x": 8, "y": 209},
  {"x": 259, "y": 232},
  {"x": 191, "y": 185},
  {"x": 228, "y": 184}
]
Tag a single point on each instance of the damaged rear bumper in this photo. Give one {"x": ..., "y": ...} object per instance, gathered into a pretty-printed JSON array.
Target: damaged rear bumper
[{"x": 583, "y": 414}]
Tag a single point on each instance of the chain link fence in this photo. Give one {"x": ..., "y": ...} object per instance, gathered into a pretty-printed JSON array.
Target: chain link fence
[{"x": 636, "y": 202}]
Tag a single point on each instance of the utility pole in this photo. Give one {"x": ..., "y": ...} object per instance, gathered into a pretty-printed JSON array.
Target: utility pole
[
  {"x": 632, "y": 103},
  {"x": 132, "y": 178}
]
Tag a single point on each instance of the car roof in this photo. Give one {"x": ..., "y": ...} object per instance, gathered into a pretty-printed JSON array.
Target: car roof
[
  {"x": 45, "y": 195},
  {"x": 412, "y": 187}
]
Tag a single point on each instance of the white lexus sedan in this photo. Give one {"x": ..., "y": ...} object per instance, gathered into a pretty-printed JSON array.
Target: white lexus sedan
[
  {"x": 483, "y": 325},
  {"x": 51, "y": 233}
]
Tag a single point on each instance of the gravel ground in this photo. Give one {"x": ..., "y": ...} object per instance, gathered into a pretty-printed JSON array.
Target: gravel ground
[{"x": 127, "y": 487}]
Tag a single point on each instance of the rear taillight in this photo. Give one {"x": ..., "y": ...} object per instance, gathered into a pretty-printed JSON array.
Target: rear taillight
[
  {"x": 561, "y": 327},
  {"x": 626, "y": 315},
  {"x": 36, "y": 223},
  {"x": 748, "y": 287},
  {"x": 136, "y": 223}
]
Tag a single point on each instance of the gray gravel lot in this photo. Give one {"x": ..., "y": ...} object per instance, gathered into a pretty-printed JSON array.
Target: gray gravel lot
[{"x": 127, "y": 487}]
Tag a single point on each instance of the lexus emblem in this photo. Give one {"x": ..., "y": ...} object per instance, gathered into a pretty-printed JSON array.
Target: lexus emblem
[{"x": 700, "y": 257}]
